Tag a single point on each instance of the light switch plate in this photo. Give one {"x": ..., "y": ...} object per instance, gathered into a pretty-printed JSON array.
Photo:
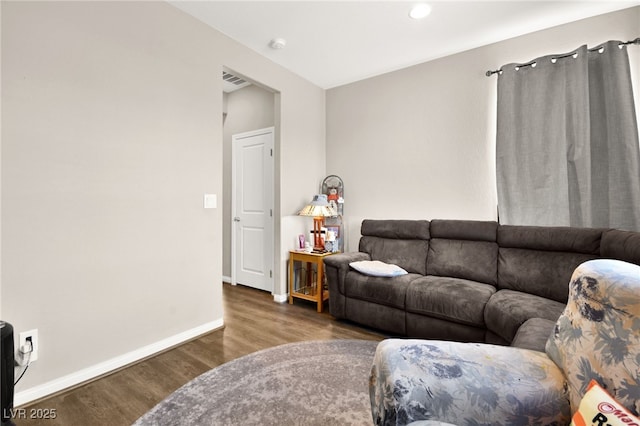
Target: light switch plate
[{"x": 210, "y": 201}]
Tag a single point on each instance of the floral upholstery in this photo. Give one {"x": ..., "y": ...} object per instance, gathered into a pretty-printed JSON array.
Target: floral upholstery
[
  {"x": 597, "y": 336},
  {"x": 465, "y": 384}
]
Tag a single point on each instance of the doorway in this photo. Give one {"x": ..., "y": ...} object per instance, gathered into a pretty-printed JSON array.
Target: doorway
[{"x": 247, "y": 106}]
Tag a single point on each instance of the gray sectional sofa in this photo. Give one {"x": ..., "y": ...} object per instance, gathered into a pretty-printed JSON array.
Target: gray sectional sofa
[{"x": 472, "y": 281}]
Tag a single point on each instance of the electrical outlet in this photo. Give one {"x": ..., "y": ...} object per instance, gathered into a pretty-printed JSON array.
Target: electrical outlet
[{"x": 33, "y": 336}]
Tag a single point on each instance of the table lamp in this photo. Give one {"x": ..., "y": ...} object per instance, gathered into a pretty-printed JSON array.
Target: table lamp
[{"x": 319, "y": 208}]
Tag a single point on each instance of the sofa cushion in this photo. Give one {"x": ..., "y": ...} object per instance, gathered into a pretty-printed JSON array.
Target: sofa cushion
[
  {"x": 507, "y": 310},
  {"x": 464, "y": 384},
  {"x": 540, "y": 259},
  {"x": 410, "y": 255},
  {"x": 542, "y": 273},
  {"x": 471, "y": 260},
  {"x": 533, "y": 334},
  {"x": 621, "y": 245},
  {"x": 380, "y": 290},
  {"x": 453, "y": 299},
  {"x": 464, "y": 249}
]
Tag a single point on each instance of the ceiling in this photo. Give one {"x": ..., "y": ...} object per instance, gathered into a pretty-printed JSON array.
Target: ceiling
[{"x": 332, "y": 43}]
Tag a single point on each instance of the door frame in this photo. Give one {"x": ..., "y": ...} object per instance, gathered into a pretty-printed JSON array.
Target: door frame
[{"x": 271, "y": 167}]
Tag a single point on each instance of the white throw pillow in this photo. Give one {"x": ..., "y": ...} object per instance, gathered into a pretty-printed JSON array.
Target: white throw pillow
[{"x": 376, "y": 268}]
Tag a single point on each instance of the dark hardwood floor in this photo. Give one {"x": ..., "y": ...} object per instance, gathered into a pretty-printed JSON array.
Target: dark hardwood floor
[{"x": 252, "y": 322}]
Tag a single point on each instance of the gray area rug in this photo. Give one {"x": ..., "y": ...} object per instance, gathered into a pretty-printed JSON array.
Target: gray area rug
[{"x": 306, "y": 383}]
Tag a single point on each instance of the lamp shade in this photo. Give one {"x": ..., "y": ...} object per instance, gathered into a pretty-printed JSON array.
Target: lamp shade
[{"x": 318, "y": 207}]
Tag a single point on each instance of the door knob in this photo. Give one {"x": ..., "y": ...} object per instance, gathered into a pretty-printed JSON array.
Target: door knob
[{"x": 236, "y": 219}]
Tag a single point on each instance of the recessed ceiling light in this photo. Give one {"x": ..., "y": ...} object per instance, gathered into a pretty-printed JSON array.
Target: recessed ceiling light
[{"x": 420, "y": 11}]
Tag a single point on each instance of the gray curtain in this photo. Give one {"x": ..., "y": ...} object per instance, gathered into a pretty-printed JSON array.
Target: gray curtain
[{"x": 567, "y": 141}]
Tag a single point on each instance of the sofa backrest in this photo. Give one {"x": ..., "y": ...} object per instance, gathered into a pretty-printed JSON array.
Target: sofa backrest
[
  {"x": 464, "y": 249},
  {"x": 621, "y": 245},
  {"x": 540, "y": 260},
  {"x": 401, "y": 242},
  {"x": 533, "y": 259}
]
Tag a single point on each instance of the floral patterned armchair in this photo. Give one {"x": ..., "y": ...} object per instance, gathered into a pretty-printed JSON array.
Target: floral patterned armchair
[{"x": 596, "y": 337}]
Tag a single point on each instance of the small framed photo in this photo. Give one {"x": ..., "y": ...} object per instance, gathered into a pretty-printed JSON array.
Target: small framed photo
[{"x": 333, "y": 233}]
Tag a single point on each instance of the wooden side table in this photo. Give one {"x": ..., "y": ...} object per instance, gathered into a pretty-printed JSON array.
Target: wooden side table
[{"x": 306, "y": 287}]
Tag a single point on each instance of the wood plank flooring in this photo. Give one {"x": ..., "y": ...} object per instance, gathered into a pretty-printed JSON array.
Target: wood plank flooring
[{"x": 252, "y": 322}]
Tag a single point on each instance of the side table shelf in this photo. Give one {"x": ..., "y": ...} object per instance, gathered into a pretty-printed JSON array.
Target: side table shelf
[{"x": 307, "y": 282}]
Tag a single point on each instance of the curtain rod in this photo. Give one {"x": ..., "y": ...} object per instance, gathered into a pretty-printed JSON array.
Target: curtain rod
[{"x": 635, "y": 41}]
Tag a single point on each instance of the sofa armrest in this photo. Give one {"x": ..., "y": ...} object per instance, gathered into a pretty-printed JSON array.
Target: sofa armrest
[
  {"x": 342, "y": 260},
  {"x": 336, "y": 267}
]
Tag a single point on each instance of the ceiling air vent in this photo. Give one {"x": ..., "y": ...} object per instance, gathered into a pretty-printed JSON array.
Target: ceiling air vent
[{"x": 232, "y": 82}]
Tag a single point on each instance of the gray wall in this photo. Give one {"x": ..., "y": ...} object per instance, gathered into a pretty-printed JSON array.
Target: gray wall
[
  {"x": 420, "y": 142},
  {"x": 250, "y": 108},
  {"x": 111, "y": 134}
]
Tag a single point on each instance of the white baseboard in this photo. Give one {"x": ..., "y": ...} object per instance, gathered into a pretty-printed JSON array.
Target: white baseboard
[
  {"x": 97, "y": 370},
  {"x": 226, "y": 279},
  {"x": 280, "y": 298}
]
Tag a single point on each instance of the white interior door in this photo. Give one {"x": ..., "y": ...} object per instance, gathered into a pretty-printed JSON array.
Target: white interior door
[{"x": 252, "y": 209}]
